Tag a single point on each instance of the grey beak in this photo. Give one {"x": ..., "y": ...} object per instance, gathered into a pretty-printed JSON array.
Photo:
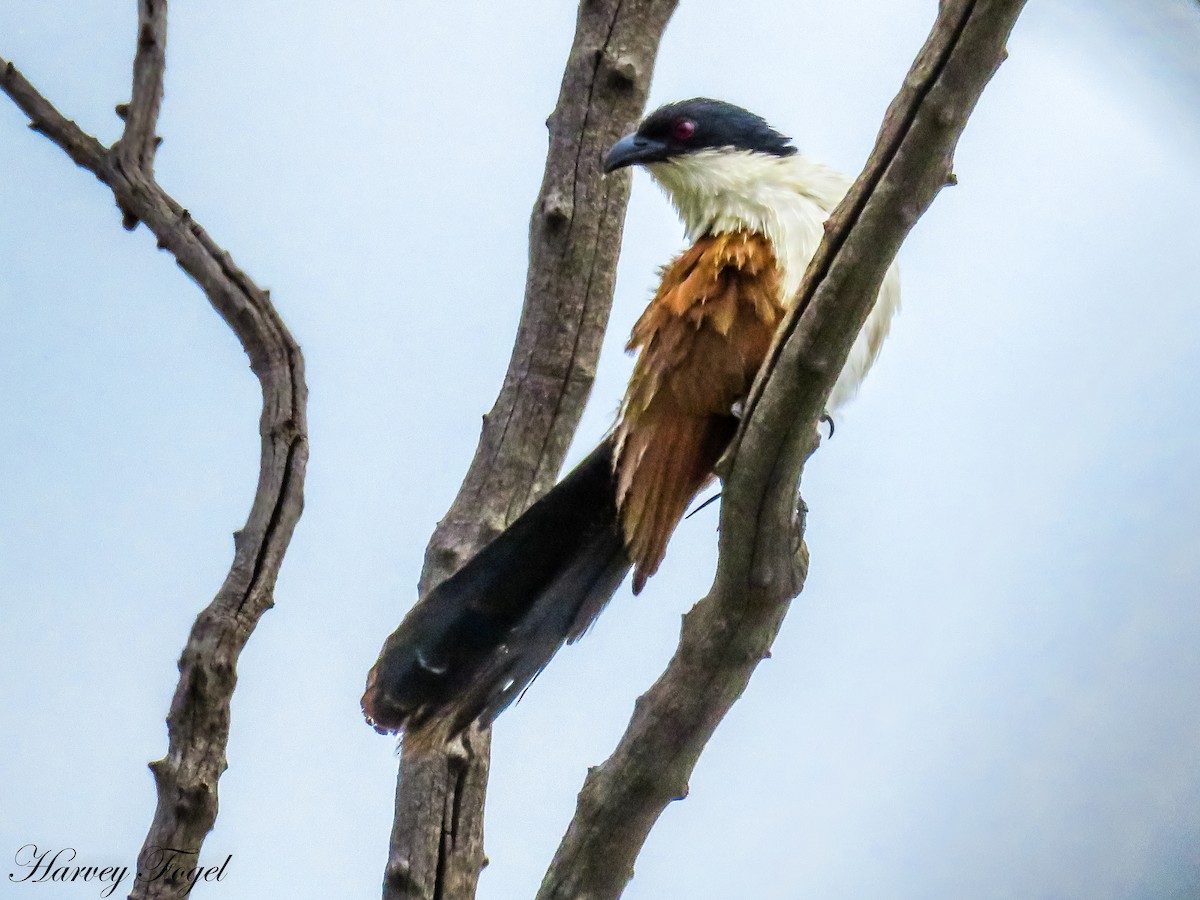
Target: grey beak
[{"x": 633, "y": 149}]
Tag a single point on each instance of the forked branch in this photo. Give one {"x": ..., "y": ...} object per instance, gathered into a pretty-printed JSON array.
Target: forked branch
[{"x": 198, "y": 721}]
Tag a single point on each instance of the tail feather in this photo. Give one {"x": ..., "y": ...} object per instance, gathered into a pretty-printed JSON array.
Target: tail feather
[
  {"x": 470, "y": 647},
  {"x": 663, "y": 462}
]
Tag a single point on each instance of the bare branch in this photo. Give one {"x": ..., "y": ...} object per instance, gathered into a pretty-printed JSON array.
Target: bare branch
[
  {"x": 84, "y": 149},
  {"x": 137, "y": 146},
  {"x": 436, "y": 847},
  {"x": 198, "y": 721},
  {"x": 762, "y": 559}
]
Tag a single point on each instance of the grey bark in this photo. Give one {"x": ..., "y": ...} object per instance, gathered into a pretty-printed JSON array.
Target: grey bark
[{"x": 436, "y": 847}]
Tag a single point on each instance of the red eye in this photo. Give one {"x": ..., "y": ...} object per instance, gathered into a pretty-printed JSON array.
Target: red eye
[{"x": 683, "y": 129}]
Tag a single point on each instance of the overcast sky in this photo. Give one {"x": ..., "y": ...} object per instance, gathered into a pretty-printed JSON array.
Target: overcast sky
[{"x": 990, "y": 687}]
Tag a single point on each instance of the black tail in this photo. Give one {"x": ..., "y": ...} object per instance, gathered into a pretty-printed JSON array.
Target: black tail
[{"x": 478, "y": 639}]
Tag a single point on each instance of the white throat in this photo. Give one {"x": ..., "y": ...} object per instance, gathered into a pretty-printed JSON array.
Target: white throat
[{"x": 787, "y": 199}]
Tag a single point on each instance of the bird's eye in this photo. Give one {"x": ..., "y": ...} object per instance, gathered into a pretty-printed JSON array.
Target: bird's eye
[{"x": 683, "y": 129}]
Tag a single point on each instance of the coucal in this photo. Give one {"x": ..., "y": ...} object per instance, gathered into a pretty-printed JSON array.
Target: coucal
[{"x": 754, "y": 210}]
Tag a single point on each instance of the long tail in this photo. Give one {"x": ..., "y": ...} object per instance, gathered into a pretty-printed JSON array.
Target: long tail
[{"x": 470, "y": 647}]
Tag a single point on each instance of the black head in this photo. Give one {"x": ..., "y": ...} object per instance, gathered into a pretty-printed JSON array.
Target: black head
[{"x": 691, "y": 125}]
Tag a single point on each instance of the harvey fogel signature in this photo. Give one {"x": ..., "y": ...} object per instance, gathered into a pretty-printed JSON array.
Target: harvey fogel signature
[{"x": 174, "y": 866}]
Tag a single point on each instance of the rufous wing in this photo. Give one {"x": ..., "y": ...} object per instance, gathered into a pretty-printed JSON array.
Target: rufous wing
[{"x": 700, "y": 343}]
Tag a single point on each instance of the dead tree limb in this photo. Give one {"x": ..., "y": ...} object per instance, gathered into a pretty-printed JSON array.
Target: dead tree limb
[
  {"x": 436, "y": 848},
  {"x": 762, "y": 560},
  {"x": 198, "y": 721}
]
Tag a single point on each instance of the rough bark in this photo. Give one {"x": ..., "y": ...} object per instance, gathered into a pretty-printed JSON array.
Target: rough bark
[
  {"x": 436, "y": 848},
  {"x": 198, "y": 721},
  {"x": 762, "y": 558}
]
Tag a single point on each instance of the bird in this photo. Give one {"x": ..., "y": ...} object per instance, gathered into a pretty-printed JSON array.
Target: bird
[{"x": 753, "y": 210}]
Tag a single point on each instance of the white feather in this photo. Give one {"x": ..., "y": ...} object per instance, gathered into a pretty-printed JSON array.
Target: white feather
[{"x": 788, "y": 199}]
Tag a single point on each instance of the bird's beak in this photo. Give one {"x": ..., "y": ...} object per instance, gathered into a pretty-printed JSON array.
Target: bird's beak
[{"x": 633, "y": 149}]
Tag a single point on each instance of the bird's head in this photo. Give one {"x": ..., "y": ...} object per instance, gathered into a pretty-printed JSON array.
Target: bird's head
[
  {"x": 697, "y": 127},
  {"x": 720, "y": 165}
]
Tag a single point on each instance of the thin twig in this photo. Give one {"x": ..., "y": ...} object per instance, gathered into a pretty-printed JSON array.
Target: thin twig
[
  {"x": 83, "y": 149},
  {"x": 198, "y": 721},
  {"x": 140, "y": 141},
  {"x": 436, "y": 848},
  {"x": 762, "y": 558}
]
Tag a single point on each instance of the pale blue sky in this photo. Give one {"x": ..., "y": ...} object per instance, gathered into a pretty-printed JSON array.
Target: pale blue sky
[{"x": 990, "y": 687}]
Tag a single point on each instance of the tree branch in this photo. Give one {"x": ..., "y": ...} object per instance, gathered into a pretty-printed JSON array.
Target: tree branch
[
  {"x": 140, "y": 142},
  {"x": 762, "y": 558},
  {"x": 83, "y": 149},
  {"x": 436, "y": 848},
  {"x": 198, "y": 721}
]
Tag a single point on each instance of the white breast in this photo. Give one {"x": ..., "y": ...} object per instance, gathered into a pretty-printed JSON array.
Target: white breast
[{"x": 788, "y": 199}]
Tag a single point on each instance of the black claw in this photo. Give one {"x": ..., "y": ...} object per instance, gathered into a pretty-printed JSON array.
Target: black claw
[
  {"x": 713, "y": 499},
  {"x": 827, "y": 419}
]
